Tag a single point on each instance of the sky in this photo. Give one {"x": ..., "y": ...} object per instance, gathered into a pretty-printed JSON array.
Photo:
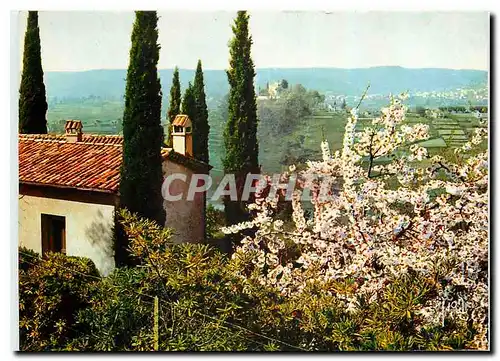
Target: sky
[{"x": 76, "y": 41}]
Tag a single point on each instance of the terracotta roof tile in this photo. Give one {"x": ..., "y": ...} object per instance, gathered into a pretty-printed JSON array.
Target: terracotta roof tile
[
  {"x": 73, "y": 124},
  {"x": 86, "y": 138},
  {"x": 79, "y": 165},
  {"x": 182, "y": 120}
]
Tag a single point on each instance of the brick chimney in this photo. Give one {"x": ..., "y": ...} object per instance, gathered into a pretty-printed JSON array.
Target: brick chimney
[
  {"x": 73, "y": 130},
  {"x": 182, "y": 137}
]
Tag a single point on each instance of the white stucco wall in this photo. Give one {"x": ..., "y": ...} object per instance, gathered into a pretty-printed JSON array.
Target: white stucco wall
[
  {"x": 185, "y": 217},
  {"x": 88, "y": 228}
]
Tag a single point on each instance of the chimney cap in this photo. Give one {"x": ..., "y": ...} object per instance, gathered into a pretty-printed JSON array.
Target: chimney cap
[
  {"x": 182, "y": 120},
  {"x": 73, "y": 124}
]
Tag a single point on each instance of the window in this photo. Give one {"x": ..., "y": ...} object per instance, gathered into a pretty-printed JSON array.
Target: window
[
  {"x": 177, "y": 129},
  {"x": 53, "y": 234},
  {"x": 188, "y": 130}
]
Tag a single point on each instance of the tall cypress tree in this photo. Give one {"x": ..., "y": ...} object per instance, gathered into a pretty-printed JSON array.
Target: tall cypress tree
[
  {"x": 175, "y": 102},
  {"x": 240, "y": 134},
  {"x": 32, "y": 101},
  {"x": 141, "y": 174},
  {"x": 200, "y": 147}
]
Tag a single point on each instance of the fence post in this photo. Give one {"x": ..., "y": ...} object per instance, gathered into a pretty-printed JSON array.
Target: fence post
[{"x": 155, "y": 331}]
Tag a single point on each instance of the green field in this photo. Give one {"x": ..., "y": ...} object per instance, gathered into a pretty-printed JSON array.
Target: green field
[{"x": 97, "y": 118}]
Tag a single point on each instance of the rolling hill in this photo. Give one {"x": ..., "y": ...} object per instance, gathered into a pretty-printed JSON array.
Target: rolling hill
[{"x": 383, "y": 80}]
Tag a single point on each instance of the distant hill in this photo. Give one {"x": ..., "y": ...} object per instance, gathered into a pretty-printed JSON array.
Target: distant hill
[{"x": 383, "y": 80}]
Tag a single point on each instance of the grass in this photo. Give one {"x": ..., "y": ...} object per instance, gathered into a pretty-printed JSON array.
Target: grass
[
  {"x": 457, "y": 131},
  {"x": 434, "y": 143}
]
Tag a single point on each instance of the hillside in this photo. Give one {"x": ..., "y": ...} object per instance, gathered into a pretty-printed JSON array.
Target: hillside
[{"x": 383, "y": 80}]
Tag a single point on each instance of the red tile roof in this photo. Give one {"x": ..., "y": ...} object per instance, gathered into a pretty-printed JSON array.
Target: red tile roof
[
  {"x": 82, "y": 165},
  {"x": 86, "y": 138},
  {"x": 91, "y": 164}
]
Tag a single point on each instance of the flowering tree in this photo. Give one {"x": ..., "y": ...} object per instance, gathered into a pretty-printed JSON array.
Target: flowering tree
[{"x": 382, "y": 208}]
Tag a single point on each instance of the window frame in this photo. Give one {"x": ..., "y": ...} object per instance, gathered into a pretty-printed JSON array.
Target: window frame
[{"x": 53, "y": 233}]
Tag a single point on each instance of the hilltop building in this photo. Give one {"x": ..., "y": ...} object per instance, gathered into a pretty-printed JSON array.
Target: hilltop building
[
  {"x": 69, "y": 190},
  {"x": 272, "y": 90}
]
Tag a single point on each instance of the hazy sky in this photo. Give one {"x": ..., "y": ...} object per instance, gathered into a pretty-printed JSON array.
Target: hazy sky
[{"x": 101, "y": 40}]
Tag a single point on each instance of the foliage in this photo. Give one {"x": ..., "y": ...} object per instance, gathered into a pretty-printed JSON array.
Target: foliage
[
  {"x": 52, "y": 290},
  {"x": 198, "y": 298},
  {"x": 141, "y": 175},
  {"x": 175, "y": 101},
  {"x": 202, "y": 128},
  {"x": 373, "y": 223},
  {"x": 189, "y": 107},
  {"x": 240, "y": 134},
  {"x": 283, "y": 115},
  {"x": 215, "y": 221},
  {"x": 421, "y": 111},
  {"x": 295, "y": 152},
  {"x": 32, "y": 101}
]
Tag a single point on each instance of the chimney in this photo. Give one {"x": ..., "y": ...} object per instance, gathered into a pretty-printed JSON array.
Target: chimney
[
  {"x": 73, "y": 130},
  {"x": 182, "y": 138}
]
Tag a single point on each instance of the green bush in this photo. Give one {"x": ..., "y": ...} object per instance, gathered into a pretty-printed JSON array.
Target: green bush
[
  {"x": 197, "y": 296},
  {"x": 52, "y": 290}
]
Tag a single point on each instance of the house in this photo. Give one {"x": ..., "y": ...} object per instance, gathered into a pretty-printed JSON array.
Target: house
[{"x": 69, "y": 190}]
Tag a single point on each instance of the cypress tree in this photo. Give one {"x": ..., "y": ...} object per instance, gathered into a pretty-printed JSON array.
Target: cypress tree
[
  {"x": 189, "y": 106},
  {"x": 240, "y": 134},
  {"x": 32, "y": 101},
  {"x": 141, "y": 174},
  {"x": 175, "y": 102},
  {"x": 200, "y": 147}
]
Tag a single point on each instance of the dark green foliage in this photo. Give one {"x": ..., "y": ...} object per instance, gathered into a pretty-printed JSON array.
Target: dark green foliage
[
  {"x": 197, "y": 295},
  {"x": 215, "y": 220},
  {"x": 421, "y": 111},
  {"x": 141, "y": 175},
  {"x": 175, "y": 96},
  {"x": 201, "y": 128},
  {"x": 189, "y": 105},
  {"x": 51, "y": 292},
  {"x": 32, "y": 101},
  {"x": 117, "y": 313},
  {"x": 240, "y": 134},
  {"x": 174, "y": 107}
]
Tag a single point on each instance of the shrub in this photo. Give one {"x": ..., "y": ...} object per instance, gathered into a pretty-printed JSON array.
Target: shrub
[
  {"x": 214, "y": 222},
  {"x": 199, "y": 298},
  {"x": 52, "y": 290}
]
